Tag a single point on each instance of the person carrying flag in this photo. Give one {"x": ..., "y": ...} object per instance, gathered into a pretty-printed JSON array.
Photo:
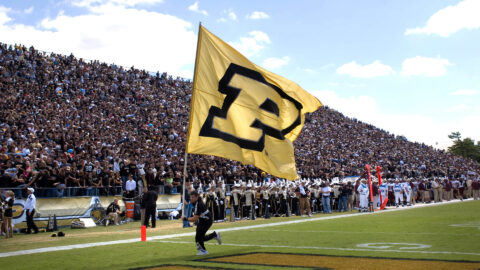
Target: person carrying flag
[{"x": 204, "y": 220}]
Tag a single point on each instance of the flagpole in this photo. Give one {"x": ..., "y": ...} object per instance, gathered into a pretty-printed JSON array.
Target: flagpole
[
  {"x": 182, "y": 199},
  {"x": 190, "y": 118}
]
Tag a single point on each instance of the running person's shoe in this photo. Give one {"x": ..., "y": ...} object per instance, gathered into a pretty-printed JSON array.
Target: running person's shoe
[{"x": 202, "y": 252}]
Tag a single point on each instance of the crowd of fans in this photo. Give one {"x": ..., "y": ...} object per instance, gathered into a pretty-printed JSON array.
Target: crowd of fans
[{"x": 75, "y": 127}]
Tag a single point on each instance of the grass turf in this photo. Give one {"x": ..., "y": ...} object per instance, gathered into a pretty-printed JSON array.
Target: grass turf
[{"x": 430, "y": 226}]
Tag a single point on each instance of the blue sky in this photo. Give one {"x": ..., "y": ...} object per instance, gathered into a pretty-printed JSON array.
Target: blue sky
[{"x": 410, "y": 67}]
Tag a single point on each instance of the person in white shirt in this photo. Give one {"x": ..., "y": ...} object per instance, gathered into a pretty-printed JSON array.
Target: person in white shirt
[
  {"x": 130, "y": 187},
  {"x": 398, "y": 190},
  {"x": 30, "y": 210},
  {"x": 407, "y": 189},
  {"x": 326, "y": 190},
  {"x": 384, "y": 192},
  {"x": 468, "y": 188},
  {"x": 435, "y": 187},
  {"x": 363, "y": 192},
  {"x": 141, "y": 181},
  {"x": 116, "y": 166}
]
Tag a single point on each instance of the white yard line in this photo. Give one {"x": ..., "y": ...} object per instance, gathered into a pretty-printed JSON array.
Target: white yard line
[
  {"x": 319, "y": 231},
  {"x": 330, "y": 248},
  {"x": 170, "y": 236}
]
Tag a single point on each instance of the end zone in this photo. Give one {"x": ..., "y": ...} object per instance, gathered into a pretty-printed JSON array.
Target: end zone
[{"x": 338, "y": 262}]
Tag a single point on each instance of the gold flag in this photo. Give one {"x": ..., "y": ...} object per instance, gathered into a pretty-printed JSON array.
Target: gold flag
[{"x": 243, "y": 112}]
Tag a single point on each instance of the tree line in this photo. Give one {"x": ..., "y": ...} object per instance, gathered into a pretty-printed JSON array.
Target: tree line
[{"x": 465, "y": 148}]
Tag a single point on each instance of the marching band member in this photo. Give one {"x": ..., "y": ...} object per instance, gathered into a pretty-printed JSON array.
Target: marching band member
[
  {"x": 265, "y": 200},
  {"x": 235, "y": 197},
  {"x": 283, "y": 200},
  {"x": 211, "y": 201},
  {"x": 221, "y": 200},
  {"x": 249, "y": 211}
]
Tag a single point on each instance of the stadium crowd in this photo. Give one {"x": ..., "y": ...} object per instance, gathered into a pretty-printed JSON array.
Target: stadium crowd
[{"x": 74, "y": 127}]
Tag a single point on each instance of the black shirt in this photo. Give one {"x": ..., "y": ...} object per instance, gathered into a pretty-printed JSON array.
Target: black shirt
[
  {"x": 302, "y": 195},
  {"x": 113, "y": 208},
  {"x": 345, "y": 191},
  {"x": 202, "y": 212},
  {"x": 9, "y": 208},
  {"x": 150, "y": 199},
  {"x": 132, "y": 168},
  {"x": 123, "y": 169},
  {"x": 89, "y": 167}
]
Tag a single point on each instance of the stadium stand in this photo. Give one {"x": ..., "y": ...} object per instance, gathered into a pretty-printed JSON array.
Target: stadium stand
[{"x": 74, "y": 127}]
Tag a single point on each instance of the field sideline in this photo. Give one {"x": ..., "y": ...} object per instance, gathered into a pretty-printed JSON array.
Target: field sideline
[{"x": 439, "y": 232}]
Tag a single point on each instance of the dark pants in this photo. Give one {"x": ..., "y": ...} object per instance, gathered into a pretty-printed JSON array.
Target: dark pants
[
  {"x": 124, "y": 181},
  {"x": 342, "y": 203},
  {"x": 30, "y": 224},
  {"x": 221, "y": 209},
  {"x": 235, "y": 211},
  {"x": 200, "y": 236},
  {"x": 247, "y": 211},
  {"x": 265, "y": 209},
  {"x": 150, "y": 213}
]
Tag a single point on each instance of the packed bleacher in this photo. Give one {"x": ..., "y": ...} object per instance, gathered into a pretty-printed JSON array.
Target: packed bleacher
[{"x": 71, "y": 127}]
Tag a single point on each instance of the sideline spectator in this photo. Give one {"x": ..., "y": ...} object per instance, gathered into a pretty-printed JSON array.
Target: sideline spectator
[
  {"x": 113, "y": 212},
  {"x": 29, "y": 208},
  {"x": 150, "y": 207},
  {"x": 8, "y": 214}
]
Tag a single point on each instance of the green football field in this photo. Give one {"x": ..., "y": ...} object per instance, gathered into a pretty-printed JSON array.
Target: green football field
[{"x": 441, "y": 236}]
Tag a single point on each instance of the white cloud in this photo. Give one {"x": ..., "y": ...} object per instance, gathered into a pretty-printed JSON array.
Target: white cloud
[
  {"x": 252, "y": 44},
  {"x": 309, "y": 70},
  {"x": 465, "y": 15},
  {"x": 4, "y": 18},
  {"x": 275, "y": 63},
  {"x": 124, "y": 3},
  {"x": 195, "y": 8},
  {"x": 415, "y": 127},
  {"x": 258, "y": 15},
  {"x": 424, "y": 66},
  {"x": 230, "y": 14},
  {"x": 464, "y": 92},
  {"x": 104, "y": 34},
  {"x": 458, "y": 108},
  {"x": 28, "y": 10},
  {"x": 374, "y": 69}
]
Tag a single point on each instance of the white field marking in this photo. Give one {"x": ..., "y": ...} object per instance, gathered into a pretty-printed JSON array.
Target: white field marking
[
  {"x": 329, "y": 248},
  {"x": 170, "y": 236},
  {"x": 320, "y": 231},
  {"x": 467, "y": 225},
  {"x": 389, "y": 245}
]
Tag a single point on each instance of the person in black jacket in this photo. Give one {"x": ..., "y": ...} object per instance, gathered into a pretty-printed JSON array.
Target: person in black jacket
[
  {"x": 204, "y": 218},
  {"x": 345, "y": 191},
  {"x": 113, "y": 210},
  {"x": 150, "y": 201}
]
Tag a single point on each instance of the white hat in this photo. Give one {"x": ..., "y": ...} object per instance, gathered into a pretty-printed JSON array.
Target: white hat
[{"x": 31, "y": 189}]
